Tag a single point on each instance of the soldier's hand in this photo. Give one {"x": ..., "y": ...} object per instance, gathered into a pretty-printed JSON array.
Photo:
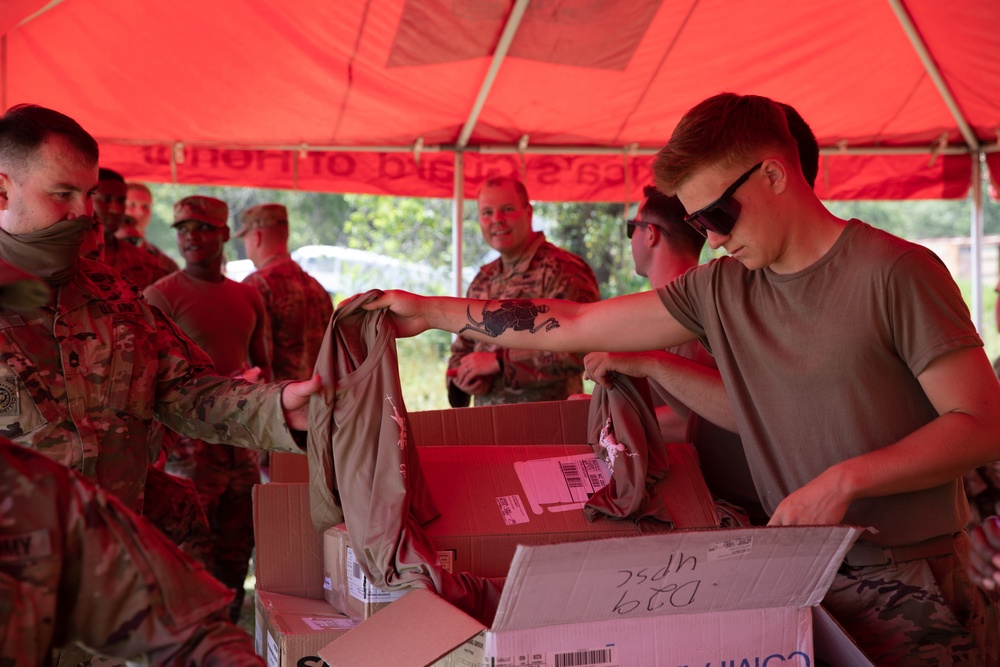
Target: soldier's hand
[
  {"x": 408, "y": 311},
  {"x": 599, "y": 365},
  {"x": 295, "y": 401},
  {"x": 984, "y": 557},
  {"x": 252, "y": 374}
]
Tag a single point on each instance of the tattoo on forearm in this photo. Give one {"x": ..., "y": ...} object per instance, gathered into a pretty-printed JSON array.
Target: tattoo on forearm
[{"x": 516, "y": 314}]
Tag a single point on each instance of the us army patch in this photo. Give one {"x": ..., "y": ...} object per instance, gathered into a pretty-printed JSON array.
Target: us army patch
[
  {"x": 9, "y": 404},
  {"x": 25, "y": 546}
]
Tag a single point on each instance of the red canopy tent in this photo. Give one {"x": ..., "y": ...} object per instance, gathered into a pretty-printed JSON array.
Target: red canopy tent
[
  {"x": 379, "y": 96},
  {"x": 428, "y": 97}
]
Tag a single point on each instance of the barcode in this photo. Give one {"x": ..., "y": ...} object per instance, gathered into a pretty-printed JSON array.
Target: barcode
[
  {"x": 583, "y": 658},
  {"x": 356, "y": 570},
  {"x": 595, "y": 475},
  {"x": 572, "y": 474}
]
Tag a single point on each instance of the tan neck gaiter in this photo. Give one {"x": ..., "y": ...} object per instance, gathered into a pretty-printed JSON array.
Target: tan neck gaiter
[{"x": 51, "y": 253}]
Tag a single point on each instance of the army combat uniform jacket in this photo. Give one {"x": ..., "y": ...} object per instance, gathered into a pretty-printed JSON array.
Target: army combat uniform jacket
[
  {"x": 300, "y": 310},
  {"x": 77, "y": 566},
  {"x": 82, "y": 378},
  {"x": 545, "y": 272}
]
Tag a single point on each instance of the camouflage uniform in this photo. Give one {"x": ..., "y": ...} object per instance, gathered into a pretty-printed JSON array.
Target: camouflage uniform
[
  {"x": 161, "y": 259},
  {"x": 134, "y": 263},
  {"x": 300, "y": 310},
  {"x": 77, "y": 566},
  {"x": 982, "y": 485},
  {"x": 173, "y": 506},
  {"x": 81, "y": 381},
  {"x": 551, "y": 273},
  {"x": 920, "y": 613}
]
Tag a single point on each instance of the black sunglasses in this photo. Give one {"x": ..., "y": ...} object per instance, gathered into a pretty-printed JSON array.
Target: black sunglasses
[
  {"x": 720, "y": 216},
  {"x": 630, "y": 226}
]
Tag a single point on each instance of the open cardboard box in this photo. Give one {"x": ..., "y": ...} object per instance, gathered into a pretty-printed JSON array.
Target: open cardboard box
[
  {"x": 289, "y": 631},
  {"x": 720, "y": 597},
  {"x": 493, "y": 498},
  {"x": 543, "y": 423}
]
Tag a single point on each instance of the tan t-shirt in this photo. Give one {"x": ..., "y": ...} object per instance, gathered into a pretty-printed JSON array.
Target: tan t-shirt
[
  {"x": 223, "y": 318},
  {"x": 822, "y": 365}
]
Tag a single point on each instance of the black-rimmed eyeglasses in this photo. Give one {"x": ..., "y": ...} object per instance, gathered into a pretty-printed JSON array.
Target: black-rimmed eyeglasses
[
  {"x": 720, "y": 216},
  {"x": 630, "y": 226}
]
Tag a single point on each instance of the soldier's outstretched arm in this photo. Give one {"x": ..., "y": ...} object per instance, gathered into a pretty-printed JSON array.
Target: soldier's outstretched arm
[{"x": 633, "y": 322}]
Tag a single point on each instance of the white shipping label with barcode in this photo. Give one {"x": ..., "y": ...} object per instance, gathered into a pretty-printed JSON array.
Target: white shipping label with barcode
[
  {"x": 328, "y": 623},
  {"x": 606, "y": 656},
  {"x": 358, "y": 586},
  {"x": 512, "y": 510},
  {"x": 561, "y": 483},
  {"x": 598, "y": 657},
  {"x": 730, "y": 548},
  {"x": 447, "y": 559},
  {"x": 273, "y": 657}
]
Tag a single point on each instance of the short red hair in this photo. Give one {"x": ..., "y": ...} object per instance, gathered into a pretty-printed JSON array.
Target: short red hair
[{"x": 729, "y": 129}]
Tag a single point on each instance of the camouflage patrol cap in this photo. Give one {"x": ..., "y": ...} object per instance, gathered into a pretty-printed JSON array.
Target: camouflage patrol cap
[
  {"x": 203, "y": 209},
  {"x": 261, "y": 217},
  {"x": 20, "y": 290}
]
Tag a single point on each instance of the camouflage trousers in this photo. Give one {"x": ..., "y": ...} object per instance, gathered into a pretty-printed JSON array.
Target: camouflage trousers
[
  {"x": 172, "y": 505},
  {"x": 919, "y": 613},
  {"x": 224, "y": 477}
]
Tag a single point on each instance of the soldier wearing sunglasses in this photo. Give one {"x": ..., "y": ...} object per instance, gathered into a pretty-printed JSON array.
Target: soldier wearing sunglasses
[{"x": 858, "y": 381}]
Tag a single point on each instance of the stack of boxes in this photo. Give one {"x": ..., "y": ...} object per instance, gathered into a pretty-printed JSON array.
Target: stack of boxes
[{"x": 510, "y": 482}]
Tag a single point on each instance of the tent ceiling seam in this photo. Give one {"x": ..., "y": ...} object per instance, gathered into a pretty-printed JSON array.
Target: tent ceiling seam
[
  {"x": 515, "y": 149},
  {"x": 350, "y": 69},
  {"x": 503, "y": 45},
  {"x": 656, "y": 71},
  {"x": 41, "y": 11},
  {"x": 906, "y": 22}
]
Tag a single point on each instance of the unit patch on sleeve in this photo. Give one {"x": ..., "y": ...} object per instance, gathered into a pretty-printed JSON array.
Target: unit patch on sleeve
[{"x": 9, "y": 404}]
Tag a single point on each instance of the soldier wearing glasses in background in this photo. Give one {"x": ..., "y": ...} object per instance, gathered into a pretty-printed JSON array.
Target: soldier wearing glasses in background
[{"x": 859, "y": 383}]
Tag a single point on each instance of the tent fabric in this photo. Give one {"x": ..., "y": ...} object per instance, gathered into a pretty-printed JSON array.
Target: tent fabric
[{"x": 372, "y": 96}]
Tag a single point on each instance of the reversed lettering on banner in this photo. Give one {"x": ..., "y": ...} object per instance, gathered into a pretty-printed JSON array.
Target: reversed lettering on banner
[{"x": 561, "y": 178}]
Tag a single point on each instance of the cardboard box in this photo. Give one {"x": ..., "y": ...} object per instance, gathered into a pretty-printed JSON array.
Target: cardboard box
[
  {"x": 288, "y": 468},
  {"x": 728, "y": 597},
  {"x": 290, "y": 631},
  {"x": 494, "y": 498},
  {"x": 289, "y": 556},
  {"x": 345, "y": 586},
  {"x": 544, "y": 423}
]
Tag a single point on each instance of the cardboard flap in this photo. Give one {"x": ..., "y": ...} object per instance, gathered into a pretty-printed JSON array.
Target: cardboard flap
[
  {"x": 833, "y": 645},
  {"x": 289, "y": 550},
  {"x": 675, "y": 573},
  {"x": 541, "y": 423},
  {"x": 417, "y": 629}
]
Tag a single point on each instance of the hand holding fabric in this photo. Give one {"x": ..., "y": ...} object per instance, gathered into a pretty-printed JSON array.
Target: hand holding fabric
[
  {"x": 984, "y": 557},
  {"x": 295, "y": 401}
]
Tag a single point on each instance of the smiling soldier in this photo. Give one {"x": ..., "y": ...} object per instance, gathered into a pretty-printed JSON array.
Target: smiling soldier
[
  {"x": 226, "y": 319},
  {"x": 528, "y": 267}
]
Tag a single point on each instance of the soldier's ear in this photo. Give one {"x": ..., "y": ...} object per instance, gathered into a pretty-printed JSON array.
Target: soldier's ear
[{"x": 4, "y": 188}]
